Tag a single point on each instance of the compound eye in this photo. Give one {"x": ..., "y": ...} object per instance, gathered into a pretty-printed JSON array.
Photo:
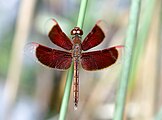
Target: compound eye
[
  {"x": 78, "y": 31},
  {"x": 73, "y": 32}
]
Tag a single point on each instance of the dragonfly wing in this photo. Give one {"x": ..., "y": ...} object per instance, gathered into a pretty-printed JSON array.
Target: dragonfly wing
[
  {"x": 50, "y": 57},
  {"x": 58, "y": 37},
  {"x": 99, "y": 59},
  {"x": 95, "y": 37}
]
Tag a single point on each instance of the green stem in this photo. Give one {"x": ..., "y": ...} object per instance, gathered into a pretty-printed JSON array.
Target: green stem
[
  {"x": 145, "y": 22},
  {"x": 129, "y": 41},
  {"x": 66, "y": 97},
  {"x": 82, "y": 12}
]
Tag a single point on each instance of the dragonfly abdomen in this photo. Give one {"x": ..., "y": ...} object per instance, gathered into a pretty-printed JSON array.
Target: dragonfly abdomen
[
  {"x": 76, "y": 82},
  {"x": 76, "y": 57}
]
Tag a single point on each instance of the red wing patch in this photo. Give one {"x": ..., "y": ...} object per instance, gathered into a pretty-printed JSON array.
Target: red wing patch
[
  {"x": 99, "y": 59},
  {"x": 50, "y": 57},
  {"x": 58, "y": 37},
  {"x": 94, "y": 38}
]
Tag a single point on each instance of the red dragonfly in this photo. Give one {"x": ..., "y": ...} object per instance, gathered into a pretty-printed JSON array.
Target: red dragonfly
[{"x": 62, "y": 60}]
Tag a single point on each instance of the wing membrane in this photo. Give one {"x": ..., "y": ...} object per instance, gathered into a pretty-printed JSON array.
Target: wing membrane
[
  {"x": 50, "y": 57},
  {"x": 99, "y": 59},
  {"x": 94, "y": 38},
  {"x": 58, "y": 37}
]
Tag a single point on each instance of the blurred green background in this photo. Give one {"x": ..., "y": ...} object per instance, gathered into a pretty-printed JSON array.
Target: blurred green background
[{"x": 30, "y": 91}]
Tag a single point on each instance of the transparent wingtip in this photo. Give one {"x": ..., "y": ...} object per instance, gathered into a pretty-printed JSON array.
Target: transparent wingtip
[
  {"x": 104, "y": 26},
  {"x": 49, "y": 25},
  {"x": 30, "y": 49}
]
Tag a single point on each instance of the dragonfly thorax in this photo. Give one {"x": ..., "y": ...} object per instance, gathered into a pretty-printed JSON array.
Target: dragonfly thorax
[
  {"x": 76, "y": 51},
  {"x": 76, "y": 46}
]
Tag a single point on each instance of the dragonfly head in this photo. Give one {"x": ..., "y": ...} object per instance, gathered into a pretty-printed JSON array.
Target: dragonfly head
[{"x": 76, "y": 31}]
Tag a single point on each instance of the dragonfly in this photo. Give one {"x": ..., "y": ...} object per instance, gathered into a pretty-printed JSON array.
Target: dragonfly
[{"x": 73, "y": 52}]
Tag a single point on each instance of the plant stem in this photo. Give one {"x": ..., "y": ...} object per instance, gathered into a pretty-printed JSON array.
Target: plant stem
[
  {"x": 22, "y": 29},
  {"x": 129, "y": 41},
  {"x": 68, "y": 84},
  {"x": 82, "y": 12},
  {"x": 66, "y": 96},
  {"x": 145, "y": 23}
]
